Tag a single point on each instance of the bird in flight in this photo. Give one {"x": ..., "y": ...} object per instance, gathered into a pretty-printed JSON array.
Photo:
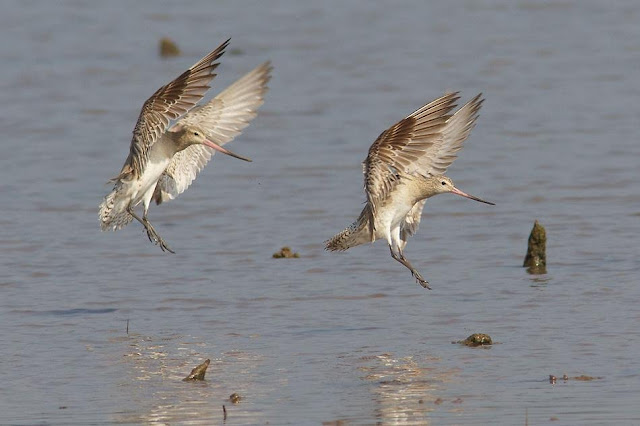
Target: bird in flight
[
  {"x": 175, "y": 138},
  {"x": 404, "y": 167}
]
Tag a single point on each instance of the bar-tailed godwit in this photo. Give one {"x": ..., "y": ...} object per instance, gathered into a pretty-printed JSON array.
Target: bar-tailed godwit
[
  {"x": 165, "y": 157},
  {"x": 405, "y": 166}
]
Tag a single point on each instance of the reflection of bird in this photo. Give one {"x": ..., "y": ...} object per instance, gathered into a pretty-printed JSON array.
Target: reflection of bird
[
  {"x": 164, "y": 160},
  {"x": 405, "y": 166}
]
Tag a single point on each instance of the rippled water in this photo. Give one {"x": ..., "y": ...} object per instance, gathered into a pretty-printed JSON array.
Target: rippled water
[{"x": 328, "y": 338}]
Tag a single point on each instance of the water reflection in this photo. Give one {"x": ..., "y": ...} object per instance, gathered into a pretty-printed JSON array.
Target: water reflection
[
  {"x": 539, "y": 280},
  {"x": 154, "y": 381},
  {"x": 404, "y": 389}
]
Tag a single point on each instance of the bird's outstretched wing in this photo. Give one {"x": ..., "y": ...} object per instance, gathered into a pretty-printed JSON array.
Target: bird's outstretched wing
[
  {"x": 223, "y": 118},
  {"x": 169, "y": 102},
  {"x": 439, "y": 156},
  {"x": 424, "y": 143}
]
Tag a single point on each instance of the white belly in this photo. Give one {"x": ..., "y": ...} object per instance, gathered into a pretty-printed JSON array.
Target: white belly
[
  {"x": 143, "y": 187},
  {"x": 393, "y": 212},
  {"x": 129, "y": 193}
]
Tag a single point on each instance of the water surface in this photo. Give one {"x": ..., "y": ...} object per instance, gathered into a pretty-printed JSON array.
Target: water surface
[{"x": 328, "y": 337}]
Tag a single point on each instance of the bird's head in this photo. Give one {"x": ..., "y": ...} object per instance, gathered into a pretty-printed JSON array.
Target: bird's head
[
  {"x": 443, "y": 184},
  {"x": 186, "y": 135}
]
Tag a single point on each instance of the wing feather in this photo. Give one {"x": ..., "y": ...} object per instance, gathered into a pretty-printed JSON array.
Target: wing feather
[
  {"x": 400, "y": 146},
  {"x": 223, "y": 118},
  {"x": 169, "y": 102},
  {"x": 423, "y": 143}
]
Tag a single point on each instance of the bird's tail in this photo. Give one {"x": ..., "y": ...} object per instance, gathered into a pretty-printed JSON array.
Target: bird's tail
[
  {"x": 356, "y": 234},
  {"x": 113, "y": 212}
]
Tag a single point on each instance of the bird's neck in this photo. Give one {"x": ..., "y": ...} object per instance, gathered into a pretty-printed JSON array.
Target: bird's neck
[
  {"x": 172, "y": 144},
  {"x": 426, "y": 188}
]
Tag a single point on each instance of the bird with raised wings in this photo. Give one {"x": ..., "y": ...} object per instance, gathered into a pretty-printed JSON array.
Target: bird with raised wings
[
  {"x": 404, "y": 167},
  {"x": 175, "y": 138}
]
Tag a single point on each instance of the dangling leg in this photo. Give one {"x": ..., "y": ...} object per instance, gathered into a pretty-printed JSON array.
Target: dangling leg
[
  {"x": 151, "y": 232},
  {"x": 400, "y": 258}
]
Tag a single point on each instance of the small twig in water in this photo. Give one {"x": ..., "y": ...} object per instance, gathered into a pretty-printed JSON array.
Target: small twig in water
[
  {"x": 127, "y": 326},
  {"x": 224, "y": 412}
]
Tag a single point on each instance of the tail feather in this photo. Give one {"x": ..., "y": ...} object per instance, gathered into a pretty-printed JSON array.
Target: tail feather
[
  {"x": 356, "y": 234},
  {"x": 113, "y": 214}
]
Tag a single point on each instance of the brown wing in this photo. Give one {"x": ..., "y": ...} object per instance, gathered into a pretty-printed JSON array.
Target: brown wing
[
  {"x": 169, "y": 102},
  {"x": 398, "y": 148},
  {"x": 439, "y": 156},
  {"x": 223, "y": 118}
]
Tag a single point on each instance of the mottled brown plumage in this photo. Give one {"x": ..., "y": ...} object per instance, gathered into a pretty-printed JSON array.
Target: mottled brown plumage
[
  {"x": 404, "y": 167},
  {"x": 169, "y": 102},
  {"x": 163, "y": 160}
]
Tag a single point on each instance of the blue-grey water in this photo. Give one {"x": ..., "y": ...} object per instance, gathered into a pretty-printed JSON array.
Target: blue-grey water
[{"x": 329, "y": 338}]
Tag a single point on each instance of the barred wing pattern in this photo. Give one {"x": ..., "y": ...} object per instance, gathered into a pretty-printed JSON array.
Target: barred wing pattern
[
  {"x": 223, "y": 118},
  {"x": 424, "y": 143},
  {"x": 454, "y": 133},
  {"x": 442, "y": 153},
  {"x": 397, "y": 149},
  {"x": 169, "y": 102}
]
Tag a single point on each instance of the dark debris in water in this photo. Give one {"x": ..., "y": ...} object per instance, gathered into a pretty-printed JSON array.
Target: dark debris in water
[
  {"x": 235, "y": 398},
  {"x": 168, "y": 48},
  {"x": 582, "y": 378},
  {"x": 476, "y": 339},
  {"x": 198, "y": 372},
  {"x": 285, "y": 253}
]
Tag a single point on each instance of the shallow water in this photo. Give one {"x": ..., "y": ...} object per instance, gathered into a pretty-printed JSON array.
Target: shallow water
[{"x": 328, "y": 338}]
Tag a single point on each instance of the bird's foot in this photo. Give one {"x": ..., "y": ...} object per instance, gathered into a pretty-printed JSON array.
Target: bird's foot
[
  {"x": 164, "y": 246},
  {"x": 424, "y": 283},
  {"x": 156, "y": 239}
]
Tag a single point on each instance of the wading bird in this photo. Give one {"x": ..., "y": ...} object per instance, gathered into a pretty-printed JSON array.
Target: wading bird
[
  {"x": 164, "y": 158},
  {"x": 404, "y": 167}
]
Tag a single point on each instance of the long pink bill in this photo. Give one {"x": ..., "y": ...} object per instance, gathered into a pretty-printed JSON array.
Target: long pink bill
[
  {"x": 471, "y": 197},
  {"x": 224, "y": 151}
]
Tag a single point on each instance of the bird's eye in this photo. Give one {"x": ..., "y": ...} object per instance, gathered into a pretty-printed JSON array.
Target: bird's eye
[
  {"x": 196, "y": 134},
  {"x": 444, "y": 183}
]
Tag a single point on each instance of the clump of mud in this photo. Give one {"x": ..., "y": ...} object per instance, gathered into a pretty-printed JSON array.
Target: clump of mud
[
  {"x": 285, "y": 253},
  {"x": 476, "y": 339},
  {"x": 168, "y": 48}
]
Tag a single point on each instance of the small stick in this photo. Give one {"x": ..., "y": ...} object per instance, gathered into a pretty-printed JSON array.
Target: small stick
[
  {"x": 127, "y": 326},
  {"x": 224, "y": 412}
]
